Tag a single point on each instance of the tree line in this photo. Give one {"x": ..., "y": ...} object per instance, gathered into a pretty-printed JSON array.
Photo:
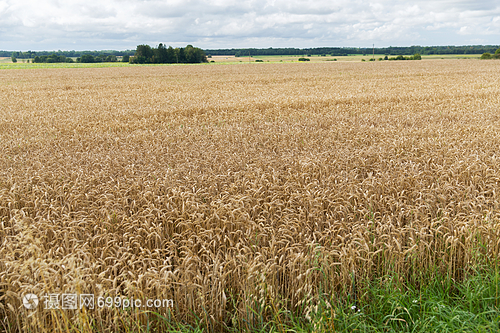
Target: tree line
[
  {"x": 345, "y": 51},
  {"x": 145, "y": 54},
  {"x": 67, "y": 54},
  {"x": 189, "y": 54},
  {"x": 488, "y": 55}
]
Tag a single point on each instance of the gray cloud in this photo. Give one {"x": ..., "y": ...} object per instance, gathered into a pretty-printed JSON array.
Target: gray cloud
[{"x": 80, "y": 24}]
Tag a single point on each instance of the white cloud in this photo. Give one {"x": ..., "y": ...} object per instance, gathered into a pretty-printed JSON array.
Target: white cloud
[{"x": 113, "y": 24}]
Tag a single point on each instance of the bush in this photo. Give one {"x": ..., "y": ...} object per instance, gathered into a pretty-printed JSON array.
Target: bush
[
  {"x": 110, "y": 58},
  {"x": 258, "y": 60},
  {"x": 417, "y": 56},
  {"x": 126, "y": 58},
  {"x": 304, "y": 59},
  {"x": 386, "y": 57},
  {"x": 486, "y": 56},
  {"x": 14, "y": 59},
  {"x": 87, "y": 58}
]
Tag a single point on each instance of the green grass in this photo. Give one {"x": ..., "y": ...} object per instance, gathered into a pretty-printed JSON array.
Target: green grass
[
  {"x": 20, "y": 65},
  {"x": 7, "y": 64},
  {"x": 358, "y": 57},
  {"x": 385, "y": 305}
]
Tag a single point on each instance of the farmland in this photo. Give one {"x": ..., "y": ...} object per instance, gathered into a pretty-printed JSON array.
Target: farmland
[{"x": 242, "y": 192}]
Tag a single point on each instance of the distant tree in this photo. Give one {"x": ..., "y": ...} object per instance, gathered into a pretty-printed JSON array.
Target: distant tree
[
  {"x": 171, "y": 56},
  {"x": 87, "y": 58},
  {"x": 111, "y": 58},
  {"x": 14, "y": 59},
  {"x": 497, "y": 54},
  {"x": 486, "y": 56},
  {"x": 126, "y": 58},
  {"x": 160, "y": 54},
  {"x": 386, "y": 57},
  {"x": 417, "y": 56},
  {"x": 143, "y": 54},
  {"x": 181, "y": 55}
]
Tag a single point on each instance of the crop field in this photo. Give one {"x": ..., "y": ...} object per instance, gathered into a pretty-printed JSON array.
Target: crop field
[
  {"x": 357, "y": 57},
  {"x": 241, "y": 193}
]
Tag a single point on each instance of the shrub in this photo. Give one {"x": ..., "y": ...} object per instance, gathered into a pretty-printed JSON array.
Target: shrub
[
  {"x": 417, "y": 56},
  {"x": 259, "y": 60},
  {"x": 486, "y": 56},
  {"x": 126, "y": 58},
  {"x": 110, "y": 58},
  {"x": 14, "y": 59},
  {"x": 87, "y": 58},
  {"x": 304, "y": 59}
]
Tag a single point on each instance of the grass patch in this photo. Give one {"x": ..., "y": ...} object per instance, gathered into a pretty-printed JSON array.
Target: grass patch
[
  {"x": 384, "y": 305},
  {"x": 387, "y": 305}
]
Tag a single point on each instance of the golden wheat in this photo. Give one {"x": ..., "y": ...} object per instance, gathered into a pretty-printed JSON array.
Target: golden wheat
[{"x": 229, "y": 188}]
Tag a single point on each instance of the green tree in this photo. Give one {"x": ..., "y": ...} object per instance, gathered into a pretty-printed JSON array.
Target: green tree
[
  {"x": 126, "y": 58},
  {"x": 181, "y": 56},
  {"x": 14, "y": 59},
  {"x": 143, "y": 54},
  {"x": 87, "y": 58},
  {"x": 160, "y": 54},
  {"x": 171, "y": 57},
  {"x": 111, "y": 58},
  {"x": 486, "y": 56}
]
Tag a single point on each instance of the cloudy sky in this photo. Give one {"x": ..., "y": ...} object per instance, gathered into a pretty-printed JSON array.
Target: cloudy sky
[{"x": 123, "y": 24}]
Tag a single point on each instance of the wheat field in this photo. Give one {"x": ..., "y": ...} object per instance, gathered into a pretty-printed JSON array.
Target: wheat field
[{"x": 238, "y": 190}]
